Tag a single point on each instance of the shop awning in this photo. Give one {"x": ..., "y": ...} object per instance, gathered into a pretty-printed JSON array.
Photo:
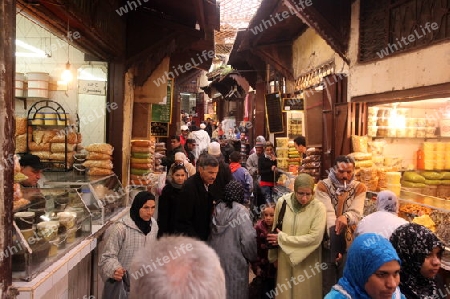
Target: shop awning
[{"x": 231, "y": 87}]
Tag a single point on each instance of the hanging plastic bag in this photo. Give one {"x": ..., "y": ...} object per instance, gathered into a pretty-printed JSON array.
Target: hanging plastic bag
[{"x": 114, "y": 289}]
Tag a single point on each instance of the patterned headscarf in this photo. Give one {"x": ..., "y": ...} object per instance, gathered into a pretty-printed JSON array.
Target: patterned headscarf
[
  {"x": 413, "y": 243},
  {"x": 387, "y": 201},
  {"x": 233, "y": 192},
  {"x": 366, "y": 255}
]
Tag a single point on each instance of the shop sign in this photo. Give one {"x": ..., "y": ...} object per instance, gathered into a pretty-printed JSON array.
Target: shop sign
[
  {"x": 292, "y": 104},
  {"x": 92, "y": 87},
  {"x": 274, "y": 115},
  {"x": 159, "y": 129},
  {"x": 163, "y": 112}
]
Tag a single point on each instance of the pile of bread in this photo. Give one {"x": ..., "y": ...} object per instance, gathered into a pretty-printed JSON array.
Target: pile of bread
[
  {"x": 18, "y": 200},
  {"x": 52, "y": 145},
  {"x": 142, "y": 161},
  {"x": 99, "y": 159}
]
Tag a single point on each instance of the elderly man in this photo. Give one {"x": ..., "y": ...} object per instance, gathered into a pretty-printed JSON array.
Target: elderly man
[
  {"x": 252, "y": 160},
  {"x": 194, "y": 211},
  {"x": 189, "y": 269},
  {"x": 224, "y": 176}
]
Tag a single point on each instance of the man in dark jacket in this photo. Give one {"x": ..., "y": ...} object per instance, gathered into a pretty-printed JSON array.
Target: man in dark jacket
[
  {"x": 189, "y": 147},
  {"x": 176, "y": 147},
  {"x": 195, "y": 208},
  {"x": 224, "y": 176}
]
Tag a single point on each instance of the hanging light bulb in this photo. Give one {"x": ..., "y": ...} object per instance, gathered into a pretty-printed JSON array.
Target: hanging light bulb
[{"x": 66, "y": 75}]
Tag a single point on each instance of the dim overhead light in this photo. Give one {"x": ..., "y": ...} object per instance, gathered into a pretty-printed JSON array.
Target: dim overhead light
[{"x": 66, "y": 75}]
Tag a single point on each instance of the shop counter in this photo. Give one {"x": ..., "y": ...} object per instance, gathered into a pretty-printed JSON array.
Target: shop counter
[
  {"x": 56, "y": 233},
  {"x": 75, "y": 264}
]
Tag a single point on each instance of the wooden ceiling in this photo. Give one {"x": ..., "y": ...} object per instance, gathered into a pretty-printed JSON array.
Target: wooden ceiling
[
  {"x": 269, "y": 39},
  {"x": 139, "y": 33}
]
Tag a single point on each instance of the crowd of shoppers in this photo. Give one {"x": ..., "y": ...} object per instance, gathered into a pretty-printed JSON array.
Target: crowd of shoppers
[{"x": 310, "y": 243}]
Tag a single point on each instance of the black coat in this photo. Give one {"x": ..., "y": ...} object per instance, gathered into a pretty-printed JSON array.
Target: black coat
[
  {"x": 194, "y": 212},
  {"x": 265, "y": 169},
  {"x": 167, "y": 205},
  {"x": 224, "y": 176}
]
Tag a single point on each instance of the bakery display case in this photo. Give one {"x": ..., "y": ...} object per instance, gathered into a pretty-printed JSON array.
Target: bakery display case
[
  {"x": 50, "y": 224},
  {"x": 107, "y": 198},
  {"x": 104, "y": 196}
]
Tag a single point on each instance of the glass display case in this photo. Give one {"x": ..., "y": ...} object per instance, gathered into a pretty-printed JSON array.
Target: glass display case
[
  {"x": 104, "y": 196},
  {"x": 49, "y": 224},
  {"x": 107, "y": 198},
  {"x": 430, "y": 211}
]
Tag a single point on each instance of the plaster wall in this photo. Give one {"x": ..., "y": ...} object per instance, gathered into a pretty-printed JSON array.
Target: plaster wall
[
  {"x": 398, "y": 71},
  {"x": 90, "y": 108},
  {"x": 310, "y": 51}
]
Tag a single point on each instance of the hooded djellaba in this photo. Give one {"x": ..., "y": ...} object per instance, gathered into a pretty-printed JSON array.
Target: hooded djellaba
[
  {"x": 232, "y": 225},
  {"x": 128, "y": 235},
  {"x": 299, "y": 241}
]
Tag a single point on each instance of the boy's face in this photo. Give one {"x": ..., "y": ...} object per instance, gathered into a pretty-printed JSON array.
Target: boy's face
[{"x": 174, "y": 143}]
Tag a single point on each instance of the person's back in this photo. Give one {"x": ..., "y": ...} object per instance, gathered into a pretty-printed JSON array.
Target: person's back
[
  {"x": 241, "y": 175},
  {"x": 234, "y": 239},
  {"x": 385, "y": 220},
  {"x": 177, "y": 268}
]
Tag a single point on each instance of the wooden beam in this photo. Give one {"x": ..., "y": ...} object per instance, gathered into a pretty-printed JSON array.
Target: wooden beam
[
  {"x": 314, "y": 19},
  {"x": 281, "y": 61},
  {"x": 7, "y": 131},
  {"x": 407, "y": 95}
]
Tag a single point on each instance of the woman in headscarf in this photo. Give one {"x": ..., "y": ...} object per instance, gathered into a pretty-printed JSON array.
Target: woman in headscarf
[
  {"x": 127, "y": 236},
  {"x": 168, "y": 201},
  {"x": 234, "y": 239},
  {"x": 371, "y": 271},
  {"x": 420, "y": 252},
  {"x": 181, "y": 159},
  {"x": 385, "y": 220},
  {"x": 298, "y": 255}
]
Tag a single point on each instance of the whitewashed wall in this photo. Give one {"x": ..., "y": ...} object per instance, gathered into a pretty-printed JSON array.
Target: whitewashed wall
[
  {"x": 422, "y": 67},
  {"x": 54, "y": 64}
]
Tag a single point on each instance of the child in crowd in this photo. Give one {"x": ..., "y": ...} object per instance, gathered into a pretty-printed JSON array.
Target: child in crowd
[{"x": 262, "y": 267}]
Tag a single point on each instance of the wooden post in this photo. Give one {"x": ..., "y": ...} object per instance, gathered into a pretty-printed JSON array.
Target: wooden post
[{"x": 7, "y": 130}]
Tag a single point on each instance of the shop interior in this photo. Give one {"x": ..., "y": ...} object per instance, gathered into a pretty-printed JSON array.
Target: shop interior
[
  {"x": 405, "y": 126},
  {"x": 40, "y": 52}
]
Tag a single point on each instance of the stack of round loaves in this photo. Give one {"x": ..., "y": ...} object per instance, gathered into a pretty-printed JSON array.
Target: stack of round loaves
[
  {"x": 99, "y": 159},
  {"x": 142, "y": 161}
]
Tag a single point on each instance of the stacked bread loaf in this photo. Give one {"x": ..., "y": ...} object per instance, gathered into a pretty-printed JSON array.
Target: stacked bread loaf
[
  {"x": 56, "y": 146},
  {"x": 99, "y": 159},
  {"x": 142, "y": 161},
  {"x": 21, "y": 135}
]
